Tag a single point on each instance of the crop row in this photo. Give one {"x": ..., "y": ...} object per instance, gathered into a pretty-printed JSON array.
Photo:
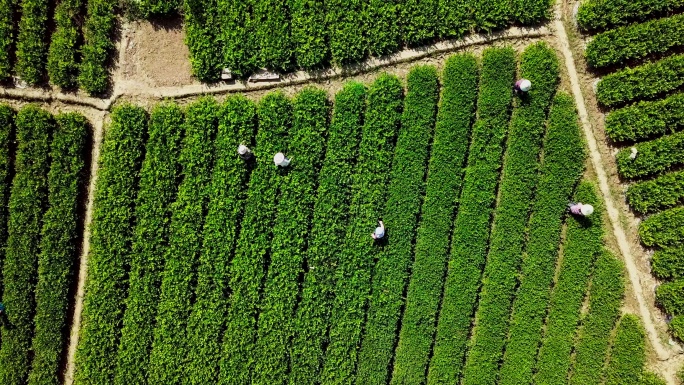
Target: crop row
[
  {"x": 404, "y": 199},
  {"x": 169, "y": 348},
  {"x": 600, "y": 14},
  {"x": 27, "y": 205},
  {"x": 519, "y": 179},
  {"x": 7, "y": 35},
  {"x": 636, "y": 41},
  {"x": 248, "y": 267},
  {"x": 31, "y": 43},
  {"x": 444, "y": 180},
  {"x": 98, "y": 45},
  {"x": 563, "y": 165},
  {"x": 326, "y": 240},
  {"x": 7, "y": 140},
  {"x": 605, "y": 300},
  {"x": 643, "y": 82},
  {"x": 150, "y": 8},
  {"x": 237, "y": 125},
  {"x": 663, "y": 229},
  {"x": 471, "y": 229},
  {"x": 201, "y": 35},
  {"x": 670, "y": 296},
  {"x": 627, "y": 355},
  {"x": 583, "y": 244},
  {"x": 157, "y": 191},
  {"x": 646, "y": 119},
  {"x": 353, "y": 274},
  {"x": 295, "y": 209},
  {"x": 62, "y": 65},
  {"x": 663, "y": 192},
  {"x": 652, "y": 158},
  {"x": 668, "y": 263},
  {"x": 110, "y": 245}
]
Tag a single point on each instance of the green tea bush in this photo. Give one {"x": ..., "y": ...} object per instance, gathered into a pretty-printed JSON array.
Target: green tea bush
[
  {"x": 491, "y": 14},
  {"x": 151, "y": 8},
  {"x": 347, "y": 28},
  {"x": 203, "y": 39},
  {"x": 645, "y": 119},
  {"x": 237, "y": 35},
  {"x": 62, "y": 65},
  {"x": 419, "y": 21},
  {"x": 663, "y": 229},
  {"x": 384, "y": 31},
  {"x": 31, "y": 42},
  {"x": 653, "y": 157},
  {"x": 663, "y": 192},
  {"x": 668, "y": 263},
  {"x": 454, "y": 19},
  {"x": 676, "y": 327},
  {"x": 7, "y": 140},
  {"x": 7, "y": 36},
  {"x": 98, "y": 45},
  {"x": 309, "y": 33},
  {"x": 605, "y": 14},
  {"x": 272, "y": 29},
  {"x": 670, "y": 295},
  {"x": 627, "y": 355}
]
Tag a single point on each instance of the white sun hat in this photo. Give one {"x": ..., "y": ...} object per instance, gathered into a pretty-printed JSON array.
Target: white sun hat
[
  {"x": 525, "y": 85},
  {"x": 587, "y": 210}
]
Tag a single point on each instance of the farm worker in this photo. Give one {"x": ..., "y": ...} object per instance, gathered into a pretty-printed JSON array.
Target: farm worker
[
  {"x": 280, "y": 160},
  {"x": 581, "y": 209},
  {"x": 633, "y": 153},
  {"x": 379, "y": 231},
  {"x": 244, "y": 152},
  {"x": 3, "y": 316},
  {"x": 522, "y": 85}
]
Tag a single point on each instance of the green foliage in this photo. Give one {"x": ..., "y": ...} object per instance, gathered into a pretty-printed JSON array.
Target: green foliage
[
  {"x": 418, "y": 20},
  {"x": 653, "y": 157},
  {"x": 605, "y": 300},
  {"x": 471, "y": 229},
  {"x": 676, "y": 327},
  {"x": 663, "y": 229},
  {"x": 31, "y": 42},
  {"x": 635, "y": 41},
  {"x": 404, "y": 198},
  {"x": 150, "y": 8},
  {"x": 454, "y": 18},
  {"x": 7, "y": 136},
  {"x": 491, "y": 14},
  {"x": 239, "y": 43},
  {"x": 98, "y": 45},
  {"x": 663, "y": 192},
  {"x": 309, "y": 33},
  {"x": 237, "y": 125},
  {"x": 583, "y": 243},
  {"x": 563, "y": 165},
  {"x": 110, "y": 246},
  {"x": 326, "y": 240},
  {"x": 445, "y": 175},
  {"x": 646, "y": 119},
  {"x": 58, "y": 247},
  {"x": 7, "y": 36},
  {"x": 528, "y": 12},
  {"x": 518, "y": 182},
  {"x": 347, "y": 26},
  {"x": 384, "y": 31},
  {"x": 158, "y": 177},
  {"x": 27, "y": 205},
  {"x": 203, "y": 39},
  {"x": 247, "y": 269},
  {"x": 290, "y": 233},
  {"x": 643, "y": 82},
  {"x": 62, "y": 65},
  {"x": 648, "y": 378},
  {"x": 668, "y": 263},
  {"x": 604, "y": 14},
  {"x": 170, "y": 345},
  {"x": 272, "y": 29},
  {"x": 670, "y": 295},
  {"x": 353, "y": 274},
  {"x": 627, "y": 355}
]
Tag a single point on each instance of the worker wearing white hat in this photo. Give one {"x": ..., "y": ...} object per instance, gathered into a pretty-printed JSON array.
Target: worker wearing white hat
[
  {"x": 522, "y": 85},
  {"x": 581, "y": 209},
  {"x": 280, "y": 160},
  {"x": 244, "y": 152},
  {"x": 379, "y": 232}
]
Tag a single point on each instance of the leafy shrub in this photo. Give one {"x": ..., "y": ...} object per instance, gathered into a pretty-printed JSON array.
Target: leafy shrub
[
  {"x": 384, "y": 31},
  {"x": 237, "y": 34},
  {"x": 7, "y": 140},
  {"x": 110, "y": 245},
  {"x": 663, "y": 192},
  {"x": 158, "y": 177},
  {"x": 668, "y": 263},
  {"x": 97, "y": 47},
  {"x": 604, "y": 14},
  {"x": 471, "y": 229},
  {"x": 62, "y": 65},
  {"x": 347, "y": 26},
  {"x": 663, "y": 229},
  {"x": 58, "y": 248},
  {"x": 528, "y": 12},
  {"x": 635, "y": 41},
  {"x": 31, "y": 42},
  {"x": 309, "y": 33},
  {"x": 643, "y": 82},
  {"x": 272, "y": 29},
  {"x": 27, "y": 204},
  {"x": 627, "y": 355},
  {"x": 202, "y": 38},
  {"x": 7, "y": 32},
  {"x": 169, "y": 348},
  {"x": 247, "y": 269},
  {"x": 404, "y": 198},
  {"x": 645, "y": 119},
  {"x": 419, "y": 23},
  {"x": 150, "y": 8},
  {"x": 648, "y": 378},
  {"x": 491, "y": 14},
  {"x": 444, "y": 179},
  {"x": 353, "y": 274},
  {"x": 676, "y": 327},
  {"x": 454, "y": 18},
  {"x": 670, "y": 295},
  {"x": 653, "y": 157},
  {"x": 519, "y": 179}
]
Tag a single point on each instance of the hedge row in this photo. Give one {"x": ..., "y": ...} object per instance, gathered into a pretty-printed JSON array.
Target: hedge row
[
  {"x": 150, "y": 8},
  {"x": 454, "y": 19},
  {"x": 290, "y": 232},
  {"x": 31, "y": 43},
  {"x": 98, "y": 45},
  {"x": 158, "y": 178},
  {"x": 670, "y": 296},
  {"x": 668, "y": 263},
  {"x": 202, "y": 37},
  {"x": 518, "y": 182},
  {"x": 663, "y": 192},
  {"x": 563, "y": 165},
  {"x": 110, "y": 246},
  {"x": 646, "y": 119},
  {"x": 346, "y": 27},
  {"x": 170, "y": 346},
  {"x": 62, "y": 65},
  {"x": 676, "y": 327},
  {"x": 384, "y": 31},
  {"x": 605, "y": 300},
  {"x": 353, "y": 274},
  {"x": 419, "y": 21},
  {"x": 471, "y": 229},
  {"x": 604, "y": 14},
  {"x": 445, "y": 175},
  {"x": 7, "y": 35},
  {"x": 272, "y": 30},
  {"x": 583, "y": 244},
  {"x": 27, "y": 205},
  {"x": 649, "y": 378},
  {"x": 627, "y": 354},
  {"x": 636, "y": 41},
  {"x": 643, "y": 82},
  {"x": 239, "y": 42},
  {"x": 248, "y": 267},
  {"x": 653, "y": 157},
  {"x": 309, "y": 33},
  {"x": 326, "y": 240},
  {"x": 663, "y": 229},
  {"x": 7, "y": 141},
  {"x": 404, "y": 198},
  {"x": 58, "y": 247}
]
